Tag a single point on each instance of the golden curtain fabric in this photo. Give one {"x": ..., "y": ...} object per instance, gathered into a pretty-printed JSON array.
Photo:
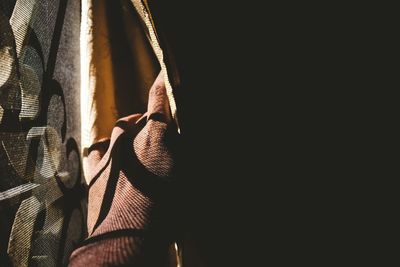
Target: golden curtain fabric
[
  {"x": 124, "y": 54},
  {"x": 124, "y": 59},
  {"x": 118, "y": 70}
]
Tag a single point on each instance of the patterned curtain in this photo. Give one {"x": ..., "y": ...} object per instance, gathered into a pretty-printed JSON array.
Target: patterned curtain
[{"x": 42, "y": 193}]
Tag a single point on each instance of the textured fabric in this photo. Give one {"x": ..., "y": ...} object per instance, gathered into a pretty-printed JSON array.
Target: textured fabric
[
  {"x": 124, "y": 54},
  {"x": 118, "y": 69},
  {"x": 42, "y": 195},
  {"x": 129, "y": 164},
  {"x": 130, "y": 190}
]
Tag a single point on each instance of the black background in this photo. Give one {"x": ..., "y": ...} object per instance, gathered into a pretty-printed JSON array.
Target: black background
[{"x": 254, "y": 115}]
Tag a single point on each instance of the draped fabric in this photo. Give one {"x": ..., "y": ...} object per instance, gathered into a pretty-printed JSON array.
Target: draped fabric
[
  {"x": 42, "y": 190},
  {"x": 129, "y": 138},
  {"x": 118, "y": 70},
  {"x": 124, "y": 56},
  {"x": 130, "y": 205},
  {"x": 120, "y": 121}
]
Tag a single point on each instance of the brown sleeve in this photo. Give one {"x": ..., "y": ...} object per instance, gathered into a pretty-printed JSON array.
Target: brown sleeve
[{"x": 129, "y": 207}]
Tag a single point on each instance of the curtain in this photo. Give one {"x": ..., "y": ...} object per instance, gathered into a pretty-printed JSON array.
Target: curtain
[{"x": 42, "y": 190}]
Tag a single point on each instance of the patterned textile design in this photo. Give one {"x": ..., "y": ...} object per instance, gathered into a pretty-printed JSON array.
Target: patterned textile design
[
  {"x": 131, "y": 190},
  {"x": 42, "y": 195}
]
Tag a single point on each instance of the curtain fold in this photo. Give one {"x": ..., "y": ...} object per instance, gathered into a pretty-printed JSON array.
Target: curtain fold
[
  {"x": 118, "y": 69},
  {"x": 129, "y": 137}
]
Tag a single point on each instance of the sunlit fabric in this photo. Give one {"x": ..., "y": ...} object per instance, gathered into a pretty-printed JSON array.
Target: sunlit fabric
[
  {"x": 131, "y": 201},
  {"x": 42, "y": 190}
]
